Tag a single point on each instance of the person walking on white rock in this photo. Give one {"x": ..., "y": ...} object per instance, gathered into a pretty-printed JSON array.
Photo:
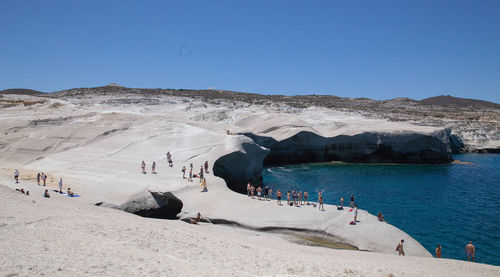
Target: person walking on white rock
[
  {"x": 153, "y": 168},
  {"x": 400, "y": 249},
  {"x": 16, "y": 175},
  {"x": 143, "y": 167},
  {"x": 60, "y": 185},
  {"x": 183, "y": 172},
  {"x": 169, "y": 159}
]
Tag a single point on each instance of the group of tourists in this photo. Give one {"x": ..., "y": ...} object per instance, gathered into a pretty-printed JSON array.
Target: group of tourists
[
  {"x": 262, "y": 193},
  {"x": 153, "y": 167},
  {"x": 40, "y": 176},
  {"x": 200, "y": 174}
]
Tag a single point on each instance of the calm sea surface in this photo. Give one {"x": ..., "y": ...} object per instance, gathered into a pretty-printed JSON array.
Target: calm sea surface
[{"x": 435, "y": 204}]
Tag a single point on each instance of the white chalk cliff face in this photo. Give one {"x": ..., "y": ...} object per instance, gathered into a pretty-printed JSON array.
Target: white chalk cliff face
[{"x": 96, "y": 142}]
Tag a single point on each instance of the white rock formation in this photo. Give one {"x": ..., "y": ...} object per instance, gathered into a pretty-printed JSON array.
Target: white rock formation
[{"x": 96, "y": 143}]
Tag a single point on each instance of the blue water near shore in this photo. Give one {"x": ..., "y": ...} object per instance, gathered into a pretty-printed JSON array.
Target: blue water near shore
[{"x": 435, "y": 204}]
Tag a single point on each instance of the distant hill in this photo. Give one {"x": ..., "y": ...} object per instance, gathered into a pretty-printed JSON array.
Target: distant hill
[
  {"x": 447, "y": 100},
  {"x": 21, "y": 91}
]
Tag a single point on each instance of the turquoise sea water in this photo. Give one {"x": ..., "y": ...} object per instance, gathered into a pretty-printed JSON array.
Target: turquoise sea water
[{"x": 435, "y": 204}]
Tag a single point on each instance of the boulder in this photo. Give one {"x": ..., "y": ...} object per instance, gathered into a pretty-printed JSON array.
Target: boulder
[{"x": 150, "y": 203}]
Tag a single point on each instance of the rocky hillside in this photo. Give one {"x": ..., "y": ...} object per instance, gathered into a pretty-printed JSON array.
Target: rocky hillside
[{"x": 474, "y": 123}]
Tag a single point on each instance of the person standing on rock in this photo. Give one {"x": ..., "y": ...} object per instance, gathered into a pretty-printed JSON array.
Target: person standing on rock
[
  {"x": 153, "y": 168},
  {"x": 352, "y": 201},
  {"x": 266, "y": 192},
  {"x": 278, "y": 197},
  {"x": 38, "y": 177},
  {"x": 355, "y": 213},
  {"x": 169, "y": 159},
  {"x": 16, "y": 176},
  {"x": 60, "y": 185},
  {"x": 306, "y": 195},
  {"x": 143, "y": 167},
  {"x": 44, "y": 179},
  {"x": 248, "y": 189},
  {"x": 201, "y": 173},
  {"x": 183, "y": 172},
  {"x": 438, "y": 251},
  {"x": 206, "y": 166},
  {"x": 190, "y": 175},
  {"x": 320, "y": 201},
  {"x": 259, "y": 193},
  {"x": 252, "y": 191},
  {"x": 470, "y": 251},
  {"x": 288, "y": 198},
  {"x": 400, "y": 249},
  {"x": 341, "y": 201}
]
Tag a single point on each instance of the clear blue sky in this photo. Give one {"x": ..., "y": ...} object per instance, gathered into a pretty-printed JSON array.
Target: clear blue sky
[{"x": 375, "y": 49}]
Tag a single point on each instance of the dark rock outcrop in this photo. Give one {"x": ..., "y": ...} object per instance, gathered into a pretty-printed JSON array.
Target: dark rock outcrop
[
  {"x": 370, "y": 147},
  {"x": 457, "y": 145},
  {"x": 240, "y": 167},
  {"x": 150, "y": 203}
]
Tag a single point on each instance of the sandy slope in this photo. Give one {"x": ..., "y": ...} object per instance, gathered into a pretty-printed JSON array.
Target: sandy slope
[{"x": 64, "y": 236}]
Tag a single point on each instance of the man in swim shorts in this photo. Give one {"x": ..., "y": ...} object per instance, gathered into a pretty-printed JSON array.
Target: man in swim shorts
[
  {"x": 470, "y": 251},
  {"x": 438, "y": 251},
  {"x": 400, "y": 249},
  {"x": 278, "y": 196}
]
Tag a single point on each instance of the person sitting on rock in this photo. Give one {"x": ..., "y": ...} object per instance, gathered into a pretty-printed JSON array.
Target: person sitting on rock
[
  {"x": 380, "y": 217},
  {"x": 46, "y": 194},
  {"x": 195, "y": 220},
  {"x": 70, "y": 193}
]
